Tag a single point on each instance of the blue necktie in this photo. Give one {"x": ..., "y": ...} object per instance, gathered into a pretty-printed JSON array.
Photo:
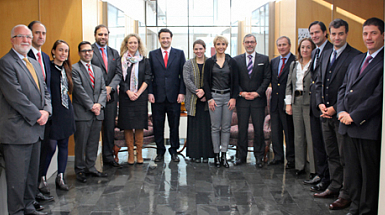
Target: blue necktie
[{"x": 334, "y": 58}]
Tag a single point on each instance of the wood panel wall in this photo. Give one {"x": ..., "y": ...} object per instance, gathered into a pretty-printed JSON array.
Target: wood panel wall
[{"x": 285, "y": 22}]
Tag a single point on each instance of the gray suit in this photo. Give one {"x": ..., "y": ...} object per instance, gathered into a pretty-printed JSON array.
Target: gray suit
[
  {"x": 303, "y": 143},
  {"x": 88, "y": 125},
  {"x": 20, "y": 134}
]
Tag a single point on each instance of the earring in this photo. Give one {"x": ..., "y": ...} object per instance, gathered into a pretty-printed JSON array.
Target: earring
[{"x": 53, "y": 56}]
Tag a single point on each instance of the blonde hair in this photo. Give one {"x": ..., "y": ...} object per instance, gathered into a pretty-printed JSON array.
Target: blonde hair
[
  {"x": 124, "y": 49},
  {"x": 222, "y": 38}
]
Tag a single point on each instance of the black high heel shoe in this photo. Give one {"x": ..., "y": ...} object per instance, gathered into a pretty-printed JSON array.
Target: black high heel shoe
[
  {"x": 217, "y": 161},
  {"x": 224, "y": 160}
]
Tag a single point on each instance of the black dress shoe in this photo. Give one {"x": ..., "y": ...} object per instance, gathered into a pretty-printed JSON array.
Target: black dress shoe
[
  {"x": 41, "y": 197},
  {"x": 174, "y": 157},
  {"x": 98, "y": 174},
  {"x": 274, "y": 162},
  {"x": 316, "y": 179},
  {"x": 81, "y": 176},
  {"x": 217, "y": 160},
  {"x": 290, "y": 165},
  {"x": 112, "y": 163},
  {"x": 320, "y": 187},
  {"x": 38, "y": 206},
  {"x": 300, "y": 172},
  {"x": 239, "y": 161},
  {"x": 36, "y": 213},
  {"x": 159, "y": 158},
  {"x": 259, "y": 164}
]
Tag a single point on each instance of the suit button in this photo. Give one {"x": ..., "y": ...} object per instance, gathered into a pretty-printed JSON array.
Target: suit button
[
  {"x": 327, "y": 102},
  {"x": 277, "y": 93},
  {"x": 327, "y": 87},
  {"x": 279, "y": 84},
  {"x": 351, "y": 91},
  {"x": 330, "y": 71},
  {"x": 312, "y": 82}
]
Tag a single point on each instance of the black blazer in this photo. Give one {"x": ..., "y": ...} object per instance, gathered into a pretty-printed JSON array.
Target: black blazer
[
  {"x": 234, "y": 76},
  {"x": 47, "y": 67},
  {"x": 258, "y": 82},
  {"x": 361, "y": 96},
  {"x": 168, "y": 82},
  {"x": 63, "y": 120},
  {"x": 314, "y": 110},
  {"x": 114, "y": 74},
  {"x": 337, "y": 77},
  {"x": 278, "y": 84}
]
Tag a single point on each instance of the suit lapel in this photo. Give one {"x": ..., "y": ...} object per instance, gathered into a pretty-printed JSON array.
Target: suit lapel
[
  {"x": 171, "y": 57},
  {"x": 375, "y": 61},
  {"x": 325, "y": 62},
  {"x": 159, "y": 57}
]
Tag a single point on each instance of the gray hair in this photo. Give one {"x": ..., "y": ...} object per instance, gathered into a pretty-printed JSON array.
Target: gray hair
[
  {"x": 281, "y": 37},
  {"x": 249, "y": 35},
  {"x": 18, "y": 26}
]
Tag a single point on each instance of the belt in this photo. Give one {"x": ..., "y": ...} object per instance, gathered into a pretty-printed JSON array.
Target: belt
[
  {"x": 298, "y": 93},
  {"x": 220, "y": 91}
]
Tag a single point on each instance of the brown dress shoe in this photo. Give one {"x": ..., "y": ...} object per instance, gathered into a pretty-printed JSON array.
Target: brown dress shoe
[
  {"x": 326, "y": 194},
  {"x": 339, "y": 204}
]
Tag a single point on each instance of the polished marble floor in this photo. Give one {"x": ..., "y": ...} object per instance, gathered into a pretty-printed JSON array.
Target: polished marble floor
[{"x": 187, "y": 188}]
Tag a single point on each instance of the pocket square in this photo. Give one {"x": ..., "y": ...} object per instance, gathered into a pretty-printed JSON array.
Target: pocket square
[{"x": 261, "y": 64}]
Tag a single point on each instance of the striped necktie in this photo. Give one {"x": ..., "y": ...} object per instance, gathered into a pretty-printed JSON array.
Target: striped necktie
[
  {"x": 250, "y": 65},
  {"x": 92, "y": 78}
]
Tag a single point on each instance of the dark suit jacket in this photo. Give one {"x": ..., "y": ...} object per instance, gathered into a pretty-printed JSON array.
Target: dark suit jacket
[
  {"x": 167, "y": 82},
  {"x": 314, "y": 76},
  {"x": 258, "y": 82},
  {"x": 337, "y": 77},
  {"x": 21, "y": 101},
  {"x": 47, "y": 67},
  {"x": 114, "y": 75},
  {"x": 361, "y": 96},
  {"x": 278, "y": 84},
  {"x": 84, "y": 96}
]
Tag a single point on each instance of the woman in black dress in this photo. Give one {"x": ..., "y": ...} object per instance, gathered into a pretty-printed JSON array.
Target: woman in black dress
[
  {"x": 198, "y": 122},
  {"x": 133, "y": 95},
  {"x": 62, "y": 119}
]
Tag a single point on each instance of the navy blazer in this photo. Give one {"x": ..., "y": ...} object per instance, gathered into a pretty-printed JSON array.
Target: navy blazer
[
  {"x": 361, "y": 96},
  {"x": 337, "y": 77},
  {"x": 168, "y": 82},
  {"x": 47, "y": 67},
  {"x": 278, "y": 84}
]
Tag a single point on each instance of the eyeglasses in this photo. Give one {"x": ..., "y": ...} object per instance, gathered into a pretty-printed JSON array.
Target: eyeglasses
[
  {"x": 86, "y": 50},
  {"x": 250, "y": 42},
  {"x": 23, "y": 36}
]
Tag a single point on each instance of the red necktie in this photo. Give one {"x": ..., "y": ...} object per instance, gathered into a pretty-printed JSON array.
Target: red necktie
[
  {"x": 165, "y": 58},
  {"x": 366, "y": 63},
  {"x": 104, "y": 59},
  {"x": 92, "y": 78},
  {"x": 283, "y": 65},
  {"x": 41, "y": 64}
]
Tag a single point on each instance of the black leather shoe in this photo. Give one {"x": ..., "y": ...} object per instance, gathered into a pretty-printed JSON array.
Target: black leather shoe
[
  {"x": 259, "y": 164},
  {"x": 274, "y": 162},
  {"x": 98, "y": 174},
  {"x": 81, "y": 176},
  {"x": 217, "y": 160},
  {"x": 320, "y": 187},
  {"x": 224, "y": 160},
  {"x": 316, "y": 179},
  {"x": 159, "y": 158},
  {"x": 300, "y": 172},
  {"x": 290, "y": 165},
  {"x": 38, "y": 206},
  {"x": 174, "y": 157},
  {"x": 112, "y": 163},
  {"x": 36, "y": 213},
  {"x": 41, "y": 197},
  {"x": 239, "y": 161}
]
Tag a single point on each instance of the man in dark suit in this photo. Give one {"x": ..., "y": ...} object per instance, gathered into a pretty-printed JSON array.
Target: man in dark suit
[
  {"x": 280, "y": 121},
  {"x": 166, "y": 92},
  {"x": 319, "y": 36},
  {"x": 25, "y": 107},
  {"x": 108, "y": 60},
  {"x": 255, "y": 75},
  {"x": 88, "y": 99},
  {"x": 38, "y": 40},
  {"x": 359, "y": 110},
  {"x": 333, "y": 67}
]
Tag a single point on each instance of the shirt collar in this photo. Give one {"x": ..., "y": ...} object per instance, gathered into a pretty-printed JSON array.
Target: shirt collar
[
  {"x": 287, "y": 56},
  {"x": 35, "y": 51},
  {"x": 321, "y": 47},
  {"x": 85, "y": 64},
  {"x": 97, "y": 45},
  {"x": 340, "y": 50},
  {"x": 252, "y": 54},
  {"x": 18, "y": 54},
  {"x": 375, "y": 53},
  {"x": 168, "y": 50}
]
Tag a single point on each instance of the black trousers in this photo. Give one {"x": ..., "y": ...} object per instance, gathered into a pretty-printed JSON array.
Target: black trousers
[
  {"x": 362, "y": 163},
  {"x": 108, "y": 128},
  {"x": 321, "y": 162},
  {"x": 159, "y": 111},
  {"x": 257, "y": 116},
  {"x": 281, "y": 122}
]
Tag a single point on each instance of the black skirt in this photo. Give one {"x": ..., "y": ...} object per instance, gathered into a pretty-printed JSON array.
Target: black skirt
[
  {"x": 133, "y": 114},
  {"x": 198, "y": 141}
]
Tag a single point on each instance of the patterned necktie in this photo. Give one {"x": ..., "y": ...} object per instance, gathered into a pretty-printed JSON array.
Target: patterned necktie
[
  {"x": 366, "y": 63},
  {"x": 250, "y": 65},
  {"x": 32, "y": 71},
  {"x": 92, "y": 78},
  {"x": 283, "y": 65},
  {"x": 64, "y": 88},
  {"x": 316, "y": 58},
  {"x": 41, "y": 64},
  {"x": 334, "y": 58},
  {"x": 104, "y": 59},
  {"x": 165, "y": 58}
]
